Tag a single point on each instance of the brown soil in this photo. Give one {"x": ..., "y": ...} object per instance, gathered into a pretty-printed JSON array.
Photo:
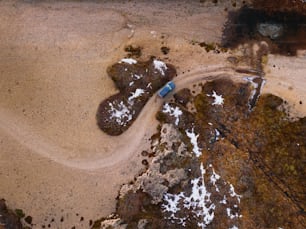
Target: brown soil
[{"x": 55, "y": 163}]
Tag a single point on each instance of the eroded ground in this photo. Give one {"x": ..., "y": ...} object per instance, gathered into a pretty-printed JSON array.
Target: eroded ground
[{"x": 55, "y": 163}]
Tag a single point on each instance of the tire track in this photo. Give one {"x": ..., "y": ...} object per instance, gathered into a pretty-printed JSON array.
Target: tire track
[{"x": 133, "y": 136}]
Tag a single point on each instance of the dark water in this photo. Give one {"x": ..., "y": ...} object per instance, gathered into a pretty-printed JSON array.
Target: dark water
[{"x": 243, "y": 26}]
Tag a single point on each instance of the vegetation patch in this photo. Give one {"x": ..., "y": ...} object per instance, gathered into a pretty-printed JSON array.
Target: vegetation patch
[
  {"x": 137, "y": 82},
  {"x": 223, "y": 166}
]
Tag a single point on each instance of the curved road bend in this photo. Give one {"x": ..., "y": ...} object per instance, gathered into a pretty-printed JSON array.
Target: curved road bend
[{"x": 134, "y": 135}]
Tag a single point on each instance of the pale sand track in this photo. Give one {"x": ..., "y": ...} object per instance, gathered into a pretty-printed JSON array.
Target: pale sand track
[
  {"x": 54, "y": 161},
  {"x": 120, "y": 152},
  {"x": 52, "y": 77}
]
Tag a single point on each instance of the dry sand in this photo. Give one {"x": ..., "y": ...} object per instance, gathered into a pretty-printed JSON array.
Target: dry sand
[{"x": 54, "y": 161}]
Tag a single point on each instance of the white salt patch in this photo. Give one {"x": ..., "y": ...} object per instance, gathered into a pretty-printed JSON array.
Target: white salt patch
[
  {"x": 137, "y": 77},
  {"x": 218, "y": 99},
  {"x": 214, "y": 177},
  {"x": 233, "y": 193},
  {"x": 200, "y": 197},
  {"x": 255, "y": 86},
  {"x": 149, "y": 85},
  {"x": 231, "y": 215},
  {"x": 172, "y": 202},
  {"x": 199, "y": 202},
  {"x": 138, "y": 92},
  {"x": 217, "y": 134},
  {"x": 175, "y": 112},
  {"x": 234, "y": 227},
  {"x": 128, "y": 61},
  {"x": 224, "y": 201},
  {"x": 121, "y": 114},
  {"x": 250, "y": 79},
  {"x": 160, "y": 66},
  {"x": 194, "y": 141}
]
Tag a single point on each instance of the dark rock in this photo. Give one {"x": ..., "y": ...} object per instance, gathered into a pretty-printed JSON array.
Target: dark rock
[
  {"x": 8, "y": 219},
  {"x": 28, "y": 219},
  {"x": 117, "y": 113},
  {"x": 165, "y": 50},
  {"x": 133, "y": 51}
]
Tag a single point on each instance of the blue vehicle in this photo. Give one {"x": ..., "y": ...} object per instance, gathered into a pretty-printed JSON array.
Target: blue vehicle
[{"x": 165, "y": 90}]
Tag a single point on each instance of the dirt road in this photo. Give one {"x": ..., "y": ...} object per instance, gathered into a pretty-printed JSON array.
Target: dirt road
[
  {"x": 22, "y": 133},
  {"x": 54, "y": 160}
]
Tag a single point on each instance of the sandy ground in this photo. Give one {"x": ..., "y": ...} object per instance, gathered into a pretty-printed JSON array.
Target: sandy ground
[{"x": 54, "y": 161}]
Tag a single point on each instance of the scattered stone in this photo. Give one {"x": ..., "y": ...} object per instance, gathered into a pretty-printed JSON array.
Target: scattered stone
[
  {"x": 165, "y": 50},
  {"x": 133, "y": 51},
  {"x": 144, "y": 153},
  {"x": 28, "y": 219}
]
